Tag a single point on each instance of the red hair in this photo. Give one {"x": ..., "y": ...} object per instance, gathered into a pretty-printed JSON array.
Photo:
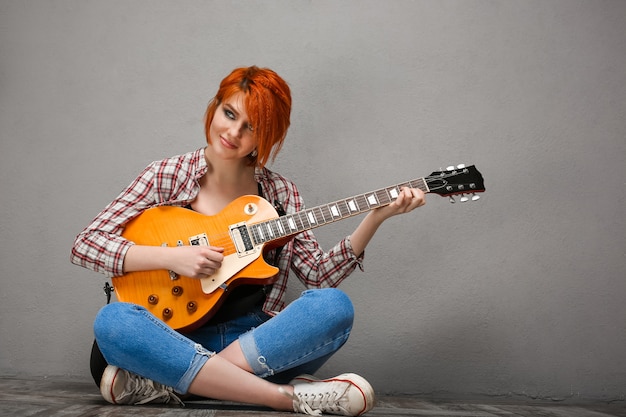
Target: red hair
[{"x": 268, "y": 104}]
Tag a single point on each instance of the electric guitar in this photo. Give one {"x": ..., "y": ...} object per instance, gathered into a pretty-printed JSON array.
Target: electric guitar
[{"x": 246, "y": 228}]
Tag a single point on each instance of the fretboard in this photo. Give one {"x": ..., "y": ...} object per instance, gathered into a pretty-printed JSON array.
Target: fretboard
[{"x": 307, "y": 219}]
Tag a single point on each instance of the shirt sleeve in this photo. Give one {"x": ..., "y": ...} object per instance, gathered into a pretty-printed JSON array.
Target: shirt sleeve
[
  {"x": 317, "y": 268},
  {"x": 100, "y": 246}
]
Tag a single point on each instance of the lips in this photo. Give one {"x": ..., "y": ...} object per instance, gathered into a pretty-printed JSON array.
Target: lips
[{"x": 227, "y": 143}]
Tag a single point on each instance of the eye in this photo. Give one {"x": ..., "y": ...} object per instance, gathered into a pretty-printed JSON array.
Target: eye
[{"x": 229, "y": 114}]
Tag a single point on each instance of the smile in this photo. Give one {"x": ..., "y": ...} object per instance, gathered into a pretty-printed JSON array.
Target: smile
[{"x": 227, "y": 143}]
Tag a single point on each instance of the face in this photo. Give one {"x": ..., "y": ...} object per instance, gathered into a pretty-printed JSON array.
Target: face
[{"x": 232, "y": 136}]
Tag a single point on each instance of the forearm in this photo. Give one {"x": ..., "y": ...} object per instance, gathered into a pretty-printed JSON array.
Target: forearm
[
  {"x": 365, "y": 231},
  {"x": 147, "y": 258}
]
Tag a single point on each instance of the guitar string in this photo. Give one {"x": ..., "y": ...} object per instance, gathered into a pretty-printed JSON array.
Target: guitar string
[{"x": 224, "y": 239}]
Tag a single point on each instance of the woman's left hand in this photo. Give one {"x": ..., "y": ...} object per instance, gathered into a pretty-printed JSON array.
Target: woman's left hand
[{"x": 408, "y": 199}]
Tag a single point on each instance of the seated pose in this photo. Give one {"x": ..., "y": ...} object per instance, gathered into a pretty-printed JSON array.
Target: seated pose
[{"x": 255, "y": 349}]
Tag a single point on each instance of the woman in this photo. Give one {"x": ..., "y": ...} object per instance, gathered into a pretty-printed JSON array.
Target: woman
[{"x": 247, "y": 352}]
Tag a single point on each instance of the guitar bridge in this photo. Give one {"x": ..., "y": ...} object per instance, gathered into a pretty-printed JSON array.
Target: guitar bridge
[{"x": 243, "y": 242}]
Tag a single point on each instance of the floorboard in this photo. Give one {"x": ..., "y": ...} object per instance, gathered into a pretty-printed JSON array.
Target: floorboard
[{"x": 52, "y": 397}]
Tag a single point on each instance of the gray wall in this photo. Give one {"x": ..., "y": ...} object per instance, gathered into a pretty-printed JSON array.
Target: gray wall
[{"x": 521, "y": 293}]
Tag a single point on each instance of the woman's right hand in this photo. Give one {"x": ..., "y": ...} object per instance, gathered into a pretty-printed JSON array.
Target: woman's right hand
[{"x": 197, "y": 261}]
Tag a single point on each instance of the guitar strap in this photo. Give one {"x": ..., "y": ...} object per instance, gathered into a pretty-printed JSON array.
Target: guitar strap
[
  {"x": 281, "y": 212},
  {"x": 108, "y": 290}
]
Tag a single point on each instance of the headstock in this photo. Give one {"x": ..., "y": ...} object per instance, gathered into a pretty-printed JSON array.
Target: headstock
[{"x": 459, "y": 180}]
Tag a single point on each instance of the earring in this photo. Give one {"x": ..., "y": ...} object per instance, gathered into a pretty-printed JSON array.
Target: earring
[{"x": 253, "y": 154}]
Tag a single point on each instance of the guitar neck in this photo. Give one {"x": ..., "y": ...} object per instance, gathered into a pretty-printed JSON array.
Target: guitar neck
[{"x": 291, "y": 224}]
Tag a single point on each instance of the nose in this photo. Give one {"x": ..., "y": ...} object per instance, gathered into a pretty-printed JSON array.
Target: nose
[{"x": 236, "y": 129}]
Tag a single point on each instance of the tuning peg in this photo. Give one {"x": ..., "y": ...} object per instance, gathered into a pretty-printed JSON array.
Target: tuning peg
[
  {"x": 464, "y": 198},
  {"x": 452, "y": 200},
  {"x": 450, "y": 168},
  {"x": 475, "y": 197},
  {"x": 460, "y": 166}
]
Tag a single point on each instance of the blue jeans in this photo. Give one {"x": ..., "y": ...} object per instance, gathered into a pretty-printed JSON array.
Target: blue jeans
[{"x": 297, "y": 340}]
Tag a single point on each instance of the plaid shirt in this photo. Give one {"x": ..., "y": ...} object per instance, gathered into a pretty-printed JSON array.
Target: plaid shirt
[{"x": 174, "y": 182}]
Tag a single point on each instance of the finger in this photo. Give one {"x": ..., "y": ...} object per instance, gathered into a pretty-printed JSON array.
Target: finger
[
  {"x": 214, "y": 256},
  {"x": 405, "y": 194},
  {"x": 416, "y": 200}
]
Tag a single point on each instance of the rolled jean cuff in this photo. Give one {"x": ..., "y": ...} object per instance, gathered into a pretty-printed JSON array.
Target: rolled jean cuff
[
  {"x": 199, "y": 359},
  {"x": 250, "y": 351}
]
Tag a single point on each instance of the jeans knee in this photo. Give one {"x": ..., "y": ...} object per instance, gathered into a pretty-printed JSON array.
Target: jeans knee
[
  {"x": 105, "y": 324},
  {"x": 333, "y": 306}
]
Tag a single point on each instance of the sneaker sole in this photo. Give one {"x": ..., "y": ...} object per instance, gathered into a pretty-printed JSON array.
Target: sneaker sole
[
  {"x": 356, "y": 380},
  {"x": 107, "y": 382}
]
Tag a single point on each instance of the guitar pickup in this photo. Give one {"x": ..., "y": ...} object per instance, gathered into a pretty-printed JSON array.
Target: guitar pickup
[
  {"x": 199, "y": 240},
  {"x": 241, "y": 237}
]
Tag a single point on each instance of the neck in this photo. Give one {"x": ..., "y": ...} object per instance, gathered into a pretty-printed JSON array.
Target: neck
[{"x": 228, "y": 173}]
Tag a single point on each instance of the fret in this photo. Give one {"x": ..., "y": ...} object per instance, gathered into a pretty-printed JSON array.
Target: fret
[
  {"x": 372, "y": 200},
  {"x": 272, "y": 228},
  {"x": 383, "y": 197},
  {"x": 258, "y": 231},
  {"x": 253, "y": 235},
  {"x": 319, "y": 215},
  {"x": 343, "y": 208},
  {"x": 291, "y": 224},
  {"x": 419, "y": 183},
  {"x": 294, "y": 223},
  {"x": 281, "y": 226},
  {"x": 394, "y": 193},
  {"x": 361, "y": 202},
  {"x": 256, "y": 234},
  {"x": 326, "y": 213},
  {"x": 266, "y": 231},
  {"x": 304, "y": 220}
]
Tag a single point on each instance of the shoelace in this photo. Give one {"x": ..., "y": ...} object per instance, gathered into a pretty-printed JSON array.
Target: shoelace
[
  {"x": 313, "y": 404},
  {"x": 300, "y": 406},
  {"x": 145, "y": 390}
]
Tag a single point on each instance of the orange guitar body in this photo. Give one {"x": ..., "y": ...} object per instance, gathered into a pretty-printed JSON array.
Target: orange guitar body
[{"x": 186, "y": 303}]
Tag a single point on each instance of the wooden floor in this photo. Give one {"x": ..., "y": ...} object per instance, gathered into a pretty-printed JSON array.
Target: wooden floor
[{"x": 53, "y": 397}]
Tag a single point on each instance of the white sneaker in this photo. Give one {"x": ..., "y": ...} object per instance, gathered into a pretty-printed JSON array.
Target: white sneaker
[
  {"x": 118, "y": 386},
  {"x": 346, "y": 395}
]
